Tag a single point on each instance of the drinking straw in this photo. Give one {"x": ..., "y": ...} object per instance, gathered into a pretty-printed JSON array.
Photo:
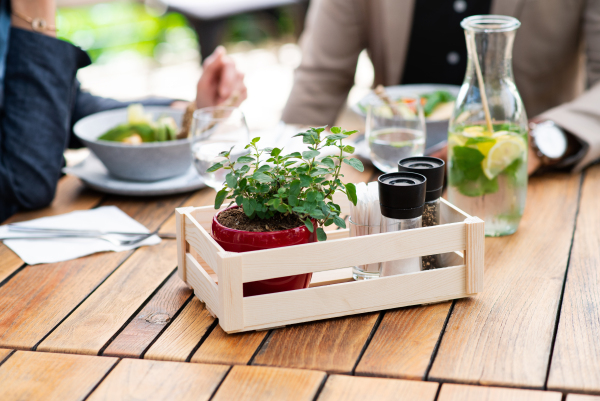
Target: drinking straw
[{"x": 484, "y": 102}]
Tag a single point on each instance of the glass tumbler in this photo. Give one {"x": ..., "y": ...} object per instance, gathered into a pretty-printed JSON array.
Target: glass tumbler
[
  {"x": 215, "y": 129},
  {"x": 371, "y": 270},
  {"x": 393, "y": 137}
]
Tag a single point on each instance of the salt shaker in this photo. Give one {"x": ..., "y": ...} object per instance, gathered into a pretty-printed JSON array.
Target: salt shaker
[
  {"x": 401, "y": 199},
  {"x": 433, "y": 169}
]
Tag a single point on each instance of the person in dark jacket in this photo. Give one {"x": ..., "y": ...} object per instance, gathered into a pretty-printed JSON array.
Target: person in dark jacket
[{"x": 40, "y": 101}]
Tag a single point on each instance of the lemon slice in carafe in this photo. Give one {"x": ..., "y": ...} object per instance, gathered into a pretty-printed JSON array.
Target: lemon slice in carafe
[{"x": 507, "y": 149}]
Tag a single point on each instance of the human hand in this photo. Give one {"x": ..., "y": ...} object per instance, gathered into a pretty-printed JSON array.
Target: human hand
[{"x": 220, "y": 81}]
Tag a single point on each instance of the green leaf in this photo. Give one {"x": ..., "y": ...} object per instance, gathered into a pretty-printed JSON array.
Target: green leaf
[
  {"x": 309, "y": 225},
  {"x": 255, "y": 140},
  {"x": 305, "y": 180},
  {"x": 328, "y": 161},
  {"x": 295, "y": 188},
  {"x": 245, "y": 168},
  {"x": 336, "y": 137},
  {"x": 357, "y": 164},
  {"x": 328, "y": 222},
  {"x": 262, "y": 178},
  {"x": 263, "y": 168},
  {"x": 336, "y": 130},
  {"x": 309, "y": 154},
  {"x": 311, "y": 196},
  {"x": 230, "y": 180},
  {"x": 348, "y": 149},
  {"x": 293, "y": 155},
  {"x": 351, "y": 193},
  {"x": 339, "y": 222},
  {"x": 275, "y": 152},
  {"x": 220, "y": 198},
  {"x": 466, "y": 158},
  {"x": 214, "y": 167},
  {"x": 480, "y": 139},
  {"x": 321, "y": 236},
  {"x": 248, "y": 209},
  {"x": 319, "y": 171},
  {"x": 245, "y": 159}
]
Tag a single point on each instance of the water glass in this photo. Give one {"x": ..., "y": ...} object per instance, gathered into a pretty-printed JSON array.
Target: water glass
[
  {"x": 215, "y": 129},
  {"x": 371, "y": 270},
  {"x": 393, "y": 137}
]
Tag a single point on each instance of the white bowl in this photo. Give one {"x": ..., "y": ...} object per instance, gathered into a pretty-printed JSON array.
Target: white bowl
[{"x": 145, "y": 162}]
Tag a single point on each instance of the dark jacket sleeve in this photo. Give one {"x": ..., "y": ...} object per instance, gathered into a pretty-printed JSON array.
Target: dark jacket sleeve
[{"x": 35, "y": 122}]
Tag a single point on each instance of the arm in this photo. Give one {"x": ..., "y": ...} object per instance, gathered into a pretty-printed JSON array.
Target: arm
[
  {"x": 581, "y": 117},
  {"x": 331, "y": 43},
  {"x": 34, "y": 127}
]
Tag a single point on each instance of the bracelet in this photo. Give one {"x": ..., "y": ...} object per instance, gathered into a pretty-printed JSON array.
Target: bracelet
[{"x": 37, "y": 24}]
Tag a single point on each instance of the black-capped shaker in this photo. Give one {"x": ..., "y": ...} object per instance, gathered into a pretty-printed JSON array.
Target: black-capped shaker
[{"x": 402, "y": 199}]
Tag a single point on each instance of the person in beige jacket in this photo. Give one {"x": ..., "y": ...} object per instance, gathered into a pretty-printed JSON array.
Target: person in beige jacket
[{"x": 556, "y": 61}]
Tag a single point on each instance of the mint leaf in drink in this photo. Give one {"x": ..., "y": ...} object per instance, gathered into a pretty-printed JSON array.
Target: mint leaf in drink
[{"x": 467, "y": 158}]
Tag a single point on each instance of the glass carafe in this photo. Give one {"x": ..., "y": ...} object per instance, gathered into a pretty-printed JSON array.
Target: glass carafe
[{"x": 487, "y": 136}]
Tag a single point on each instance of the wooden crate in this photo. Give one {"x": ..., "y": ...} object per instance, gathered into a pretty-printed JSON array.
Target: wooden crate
[{"x": 217, "y": 276}]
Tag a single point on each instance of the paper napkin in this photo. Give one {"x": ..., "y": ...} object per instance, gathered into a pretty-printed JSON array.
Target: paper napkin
[{"x": 106, "y": 218}]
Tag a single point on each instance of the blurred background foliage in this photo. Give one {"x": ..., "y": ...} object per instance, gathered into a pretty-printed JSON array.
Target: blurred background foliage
[{"x": 107, "y": 30}]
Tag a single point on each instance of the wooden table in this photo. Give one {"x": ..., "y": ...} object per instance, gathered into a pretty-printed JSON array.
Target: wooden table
[{"x": 115, "y": 326}]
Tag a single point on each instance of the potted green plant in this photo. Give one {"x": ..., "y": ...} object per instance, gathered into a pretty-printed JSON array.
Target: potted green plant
[{"x": 282, "y": 199}]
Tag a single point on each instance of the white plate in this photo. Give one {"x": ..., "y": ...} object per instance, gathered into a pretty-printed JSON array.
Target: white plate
[
  {"x": 93, "y": 173},
  {"x": 403, "y": 90}
]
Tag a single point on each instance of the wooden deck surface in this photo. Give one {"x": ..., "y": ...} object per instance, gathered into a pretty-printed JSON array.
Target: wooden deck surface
[{"x": 123, "y": 326}]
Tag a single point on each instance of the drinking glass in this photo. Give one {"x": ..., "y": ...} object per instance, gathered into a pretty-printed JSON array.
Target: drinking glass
[
  {"x": 215, "y": 129},
  {"x": 392, "y": 137}
]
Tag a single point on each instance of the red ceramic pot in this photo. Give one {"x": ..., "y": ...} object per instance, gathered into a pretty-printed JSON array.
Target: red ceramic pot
[{"x": 245, "y": 241}]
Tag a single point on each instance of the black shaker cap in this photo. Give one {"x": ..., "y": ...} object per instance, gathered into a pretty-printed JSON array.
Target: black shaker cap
[
  {"x": 432, "y": 168},
  {"x": 402, "y": 194}
]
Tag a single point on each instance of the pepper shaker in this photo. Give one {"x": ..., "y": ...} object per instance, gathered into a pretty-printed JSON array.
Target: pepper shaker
[
  {"x": 433, "y": 169},
  {"x": 402, "y": 199}
]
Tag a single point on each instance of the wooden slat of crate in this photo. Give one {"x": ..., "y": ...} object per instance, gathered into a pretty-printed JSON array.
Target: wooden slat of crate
[
  {"x": 229, "y": 349},
  {"x": 183, "y": 335},
  {"x": 70, "y": 195},
  {"x": 135, "y": 379},
  {"x": 39, "y": 297},
  {"x": 45, "y": 376},
  {"x": 300, "y": 259},
  {"x": 335, "y": 348},
  {"x": 98, "y": 318},
  {"x": 582, "y": 397},
  {"x": 352, "y": 298},
  {"x": 503, "y": 335},
  {"x": 575, "y": 362},
  {"x": 351, "y": 388},
  {"x": 459, "y": 392},
  {"x": 404, "y": 343},
  {"x": 254, "y": 383},
  {"x": 151, "y": 320}
]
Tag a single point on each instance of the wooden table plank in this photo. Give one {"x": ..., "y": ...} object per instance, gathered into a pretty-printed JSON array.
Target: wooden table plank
[
  {"x": 204, "y": 197},
  {"x": 229, "y": 349},
  {"x": 34, "y": 301},
  {"x": 183, "y": 335},
  {"x": 43, "y": 376},
  {"x": 503, "y": 335},
  {"x": 582, "y": 397},
  {"x": 332, "y": 345},
  {"x": 461, "y": 392},
  {"x": 4, "y": 353},
  {"x": 349, "y": 388},
  {"x": 107, "y": 309},
  {"x": 151, "y": 213},
  {"x": 152, "y": 319},
  {"x": 576, "y": 359},
  {"x": 253, "y": 383},
  {"x": 134, "y": 379},
  {"x": 403, "y": 345},
  {"x": 70, "y": 195}
]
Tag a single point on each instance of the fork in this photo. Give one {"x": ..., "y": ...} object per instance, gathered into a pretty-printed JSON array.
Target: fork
[{"x": 106, "y": 237}]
